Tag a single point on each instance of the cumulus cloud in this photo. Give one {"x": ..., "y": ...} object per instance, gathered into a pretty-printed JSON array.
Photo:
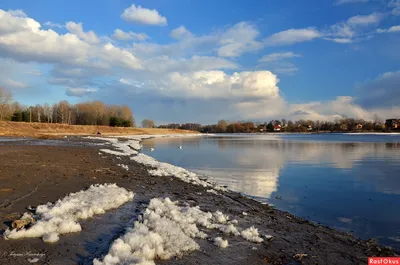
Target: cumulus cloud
[
  {"x": 17, "y": 13},
  {"x": 53, "y": 25},
  {"x": 80, "y": 92},
  {"x": 239, "y": 39},
  {"x": 122, "y": 35},
  {"x": 272, "y": 57},
  {"x": 77, "y": 29},
  {"x": 180, "y": 33},
  {"x": 140, "y": 15},
  {"x": 292, "y": 36},
  {"x": 218, "y": 84}
]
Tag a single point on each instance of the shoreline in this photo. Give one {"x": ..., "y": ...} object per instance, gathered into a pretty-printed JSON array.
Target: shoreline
[{"x": 291, "y": 235}]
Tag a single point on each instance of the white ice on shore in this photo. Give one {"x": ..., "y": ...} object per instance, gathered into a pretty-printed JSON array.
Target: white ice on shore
[
  {"x": 165, "y": 169},
  {"x": 168, "y": 230},
  {"x": 131, "y": 146},
  {"x": 62, "y": 217},
  {"x": 123, "y": 166},
  {"x": 218, "y": 241},
  {"x": 251, "y": 234}
]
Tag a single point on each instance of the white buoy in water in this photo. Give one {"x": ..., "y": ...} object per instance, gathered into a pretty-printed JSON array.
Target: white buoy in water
[
  {"x": 180, "y": 147},
  {"x": 151, "y": 149}
]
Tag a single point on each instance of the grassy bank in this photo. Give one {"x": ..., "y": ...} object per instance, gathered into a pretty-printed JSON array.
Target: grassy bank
[{"x": 50, "y": 130}]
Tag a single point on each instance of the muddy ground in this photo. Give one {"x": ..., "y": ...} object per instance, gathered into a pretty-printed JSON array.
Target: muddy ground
[{"x": 33, "y": 173}]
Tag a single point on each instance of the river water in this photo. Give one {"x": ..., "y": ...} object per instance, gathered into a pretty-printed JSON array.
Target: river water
[{"x": 347, "y": 181}]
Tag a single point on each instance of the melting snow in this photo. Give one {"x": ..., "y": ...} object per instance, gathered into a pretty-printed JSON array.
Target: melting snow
[
  {"x": 62, "y": 216},
  {"x": 165, "y": 231},
  {"x": 251, "y": 234},
  {"x": 218, "y": 241}
]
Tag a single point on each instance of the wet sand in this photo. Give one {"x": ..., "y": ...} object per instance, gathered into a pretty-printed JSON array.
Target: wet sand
[{"x": 36, "y": 174}]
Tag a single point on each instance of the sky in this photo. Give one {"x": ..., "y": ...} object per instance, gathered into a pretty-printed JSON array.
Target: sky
[{"x": 202, "y": 61}]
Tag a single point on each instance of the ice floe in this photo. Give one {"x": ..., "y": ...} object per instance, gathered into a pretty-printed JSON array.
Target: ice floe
[
  {"x": 62, "y": 217},
  {"x": 167, "y": 230}
]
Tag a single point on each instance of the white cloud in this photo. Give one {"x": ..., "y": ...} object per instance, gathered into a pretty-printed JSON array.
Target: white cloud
[
  {"x": 278, "y": 56},
  {"x": 10, "y": 83},
  {"x": 239, "y": 39},
  {"x": 218, "y": 84},
  {"x": 389, "y": 30},
  {"x": 180, "y": 33},
  {"x": 395, "y": 4},
  {"x": 342, "y": 2},
  {"x": 366, "y": 20},
  {"x": 77, "y": 29},
  {"x": 122, "y": 35},
  {"x": 53, "y": 25},
  {"x": 292, "y": 36},
  {"x": 17, "y": 13},
  {"x": 140, "y": 15},
  {"x": 163, "y": 64},
  {"x": 80, "y": 92}
]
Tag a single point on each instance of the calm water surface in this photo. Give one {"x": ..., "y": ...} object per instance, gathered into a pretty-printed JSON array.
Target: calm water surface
[{"x": 351, "y": 182}]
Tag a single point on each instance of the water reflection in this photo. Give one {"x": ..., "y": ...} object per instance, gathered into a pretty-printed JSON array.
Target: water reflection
[{"x": 349, "y": 182}]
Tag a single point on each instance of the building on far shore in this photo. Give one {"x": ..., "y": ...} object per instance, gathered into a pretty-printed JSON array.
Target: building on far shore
[
  {"x": 392, "y": 124},
  {"x": 344, "y": 127},
  {"x": 359, "y": 126},
  {"x": 277, "y": 128}
]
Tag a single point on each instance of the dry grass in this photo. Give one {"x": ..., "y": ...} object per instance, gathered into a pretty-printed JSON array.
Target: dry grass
[{"x": 47, "y": 130}]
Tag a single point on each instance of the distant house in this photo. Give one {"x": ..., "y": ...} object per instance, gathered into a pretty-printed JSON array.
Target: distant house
[
  {"x": 277, "y": 128},
  {"x": 344, "y": 127},
  {"x": 309, "y": 128},
  {"x": 393, "y": 124},
  {"x": 359, "y": 126}
]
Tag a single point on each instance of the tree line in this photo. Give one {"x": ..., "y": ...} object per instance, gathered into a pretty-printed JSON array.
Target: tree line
[
  {"x": 86, "y": 113},
  {"x": 223, "y": 126}
]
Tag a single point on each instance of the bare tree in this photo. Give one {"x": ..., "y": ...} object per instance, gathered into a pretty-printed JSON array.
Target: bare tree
[
  {"x": 147, "y": 123},
  {"x": 5, "y": 100}
]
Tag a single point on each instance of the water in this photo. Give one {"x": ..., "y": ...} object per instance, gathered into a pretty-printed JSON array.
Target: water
[{"x": 350, "y": 182}]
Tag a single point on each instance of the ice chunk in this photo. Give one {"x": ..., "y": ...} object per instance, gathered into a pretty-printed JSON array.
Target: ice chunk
[
  {"x": 251, "y": 234},
  {"x": 218, "y": 241}
]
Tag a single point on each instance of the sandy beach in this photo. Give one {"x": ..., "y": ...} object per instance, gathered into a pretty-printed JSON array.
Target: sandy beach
[{"x": 38, "y": 171}]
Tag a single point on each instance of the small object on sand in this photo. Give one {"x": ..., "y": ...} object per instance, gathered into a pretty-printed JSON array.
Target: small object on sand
[
  {"x": 33, "y": 260},
  {"x": 30, "y": 208},
  {"x": 244, "y": 213},
  {"x": 98, "y": 133},
  {"x": 25, "y": 220},
  {"x": 300, "y": 256}
]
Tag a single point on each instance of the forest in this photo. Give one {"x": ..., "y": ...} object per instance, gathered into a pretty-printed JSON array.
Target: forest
[{"x": 86, "y": 113}]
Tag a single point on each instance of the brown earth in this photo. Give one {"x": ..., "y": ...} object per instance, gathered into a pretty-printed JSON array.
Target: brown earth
[
  {"x": 54, "y": 130},
  {"x": 36, "y": 174}
]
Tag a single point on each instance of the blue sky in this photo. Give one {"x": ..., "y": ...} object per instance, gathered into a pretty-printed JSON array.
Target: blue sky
[{"x": 186, "y": 60}]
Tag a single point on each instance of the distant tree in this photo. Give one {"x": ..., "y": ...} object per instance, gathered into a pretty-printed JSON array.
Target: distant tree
[
  {"x": 5, "y": 100},
  {"x": 147, "y": 123},
  {"x": 270, "y": 127},
  {"x": 222, "y": 126}
]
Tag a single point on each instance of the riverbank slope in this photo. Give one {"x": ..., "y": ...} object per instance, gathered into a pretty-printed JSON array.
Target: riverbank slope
[
  {"x": 54, "y": 130},
  {"x": 33, "y": 175}
]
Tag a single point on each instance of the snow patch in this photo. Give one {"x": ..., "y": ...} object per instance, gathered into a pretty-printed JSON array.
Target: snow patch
[
  {"x": 123, "y": 166},
  {"x": 164, "y": 169},
  {"x": 62, "y": 216},
  {"x": 251, "y": 234},
  {"x": 167, "y": 230},
  {"x": 218, "y": 241}
]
